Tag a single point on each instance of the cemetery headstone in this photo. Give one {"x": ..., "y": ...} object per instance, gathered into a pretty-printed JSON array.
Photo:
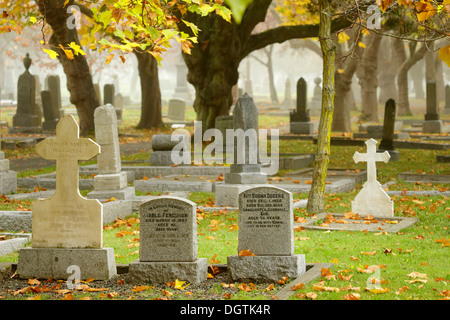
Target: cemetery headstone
[
  {"x": 372, "y": 199},
  {"x": 109, "y": 98},
  {"x": 316, "y": 101},
  {"x": 110, "y": 180},
  {"x": 98, "y": 92},
  {"x": 266, "y": 237},
  {"x": 177, "y": 109},
  {"x": 432, "y": 124},
  {"x": 387, "y": 142},
  {"x": 168, "y": 243},
  {"x": 222, "y": 123},
  {"x": 287, "y": 102},
  {"x": 447, "y": 100},
  {"x": 245, "y": 168},
  {"x": 38, "y": 89},
  {"x": 67, "y": 228},
  {"x": 27, "y": 117},
  {"x": 300, "y": 121},
  {"x": 162, "y": 146},
  {"x": 8, "y": 178},
  {"x": 50, "y": 119},
  {"x": 54, "y": 86},
  {"x": 182, "y": 89}
]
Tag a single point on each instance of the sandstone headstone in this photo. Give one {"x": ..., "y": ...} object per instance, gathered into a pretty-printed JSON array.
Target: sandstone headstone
[
  {"x": 372, "y": 199},
  {"x": 8, "y": 178},
  {"x": 111, "y": 181},
  {"x": 266, "y": 237},
  {"x": 162, "y": 146},
  {"x": 67, "y": 228},
  {"x": 447, "y": 100},
  {"x": 182, "y": 89},
  {"x": 177, "y": 109},
  {"x": 168, "y": 243}
]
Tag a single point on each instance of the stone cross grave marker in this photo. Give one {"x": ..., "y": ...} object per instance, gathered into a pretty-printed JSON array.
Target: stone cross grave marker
[
  {"x": 67, "y": 220},
  {"x": 372, "y": 199}
]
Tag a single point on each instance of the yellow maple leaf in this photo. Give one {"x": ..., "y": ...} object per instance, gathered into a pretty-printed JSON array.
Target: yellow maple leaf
[
  {"x": 52, "y": 54},
  {"x": 343, "y": 37},
  {"x": 76, "y": 48},
  {"x": 179, "y": 284},
  {"x": 69, "y": 53},
  {"x": 444, "y": 54}
]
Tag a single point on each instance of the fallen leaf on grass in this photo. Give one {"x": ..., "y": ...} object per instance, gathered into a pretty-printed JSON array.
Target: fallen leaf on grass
[
  {"x": 378, "y": 290},
  {"x": 247, "y": 288},
  {"x": 352, "y": 296},
  {"x": 246, "y": 253},
  {"x": 298, "y": 286},
  {"x": 141, "y": 288}
]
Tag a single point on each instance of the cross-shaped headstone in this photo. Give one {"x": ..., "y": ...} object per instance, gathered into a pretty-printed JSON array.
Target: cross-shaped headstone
[
  {"x": 371, "y": 157},
  {"x": 372, "y": 199},
  {"x": 67, "y": 219}
]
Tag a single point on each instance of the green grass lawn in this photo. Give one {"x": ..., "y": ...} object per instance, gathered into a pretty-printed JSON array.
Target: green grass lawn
[{"x": 411, "y": 264}]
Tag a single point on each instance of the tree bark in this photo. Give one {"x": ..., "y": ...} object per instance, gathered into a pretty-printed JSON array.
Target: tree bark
[
  {"x": 151, "y": 116},
  {"x": 316, "y": 197},
  {"x": 79, "y": 79},
  {"x": 368, "y": 80}
]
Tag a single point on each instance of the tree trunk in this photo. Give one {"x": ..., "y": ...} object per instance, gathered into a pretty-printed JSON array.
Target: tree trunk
[
  {"x": 79, "y": 79},
  {"x": 387, "y": 70},
  {"x": 316, "y": 197},
  {"x": 368, "y": 80},
  {"x": 402, "y": 75},
  {"x": 343, "y": 101},
  {"x": 151, "y": 116}
]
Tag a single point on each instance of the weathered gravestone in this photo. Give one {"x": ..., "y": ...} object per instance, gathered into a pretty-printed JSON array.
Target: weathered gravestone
[
  {"x": 316, "y": 101},
  {"x": 168, "y": 243},
  {"x": 300, "y": 121},
  {"x": 182, "y": 89},
  {"x": 447, "y": 100},
  {"x": 246, "y": 167},
  {"x": 54, "y": 86},
  {"x": 163, "y": 148},
  {"x": 372, "y": 199},
  {"x": 8, "y": 178},
  {"x": 110, "y": 180},
  {"x": 109, "y": 97},
  {"x": 177, "y": 108},
  {"x": 387, "y": 142},
  {"x": 50, "y": 118},
  {"x": 266, "y": 237},
  {"x": 432, "y": 124},
  {"x": 67, "y": 228},
  {"x": 287, "y": 102},
  {"x": 27, "y": 118}
]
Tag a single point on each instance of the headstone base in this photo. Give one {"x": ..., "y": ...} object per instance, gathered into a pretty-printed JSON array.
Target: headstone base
[
  {"x": 162, "y": 272},
  {"x": 265, "y": 268},
  {"x": 301, "y": 127},
  {"x": 49, "y": 125},
  {"x": 8, "y": 182},
  {"x": 127, "y": 193},
  {"x": 227, "y": 195},
  {"x": 373, "y": 200},
  {"x": 246, "y": 177},
  {"x": 17, "y": 129},
  {"x": 432, "y": 126},
  {"x": 395, "y": 155},
  {"x": 161, "y": 158},
  {"x": 113, "y": 181},
  {"x": 43, "y": 263}
]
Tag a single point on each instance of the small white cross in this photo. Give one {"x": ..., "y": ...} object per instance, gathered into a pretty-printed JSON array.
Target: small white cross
[{"x": 371, "y": 157}]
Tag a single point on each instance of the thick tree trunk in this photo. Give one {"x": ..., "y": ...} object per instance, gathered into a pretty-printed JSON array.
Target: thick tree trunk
[
  {"x": 369, "y": 81},
  {"x": 79, "y": 79},
  {"x": 151, "y": 116},
  {"x": 316, "y": 197}
]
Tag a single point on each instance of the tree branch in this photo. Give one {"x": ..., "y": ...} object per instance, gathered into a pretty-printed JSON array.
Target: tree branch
[{"x": 284, "y": 33}]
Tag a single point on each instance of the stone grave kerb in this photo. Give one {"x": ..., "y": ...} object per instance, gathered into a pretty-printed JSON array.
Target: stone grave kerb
[
  {"x": 76, "y": 222},
  {"x": 372, "y": 199}
]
